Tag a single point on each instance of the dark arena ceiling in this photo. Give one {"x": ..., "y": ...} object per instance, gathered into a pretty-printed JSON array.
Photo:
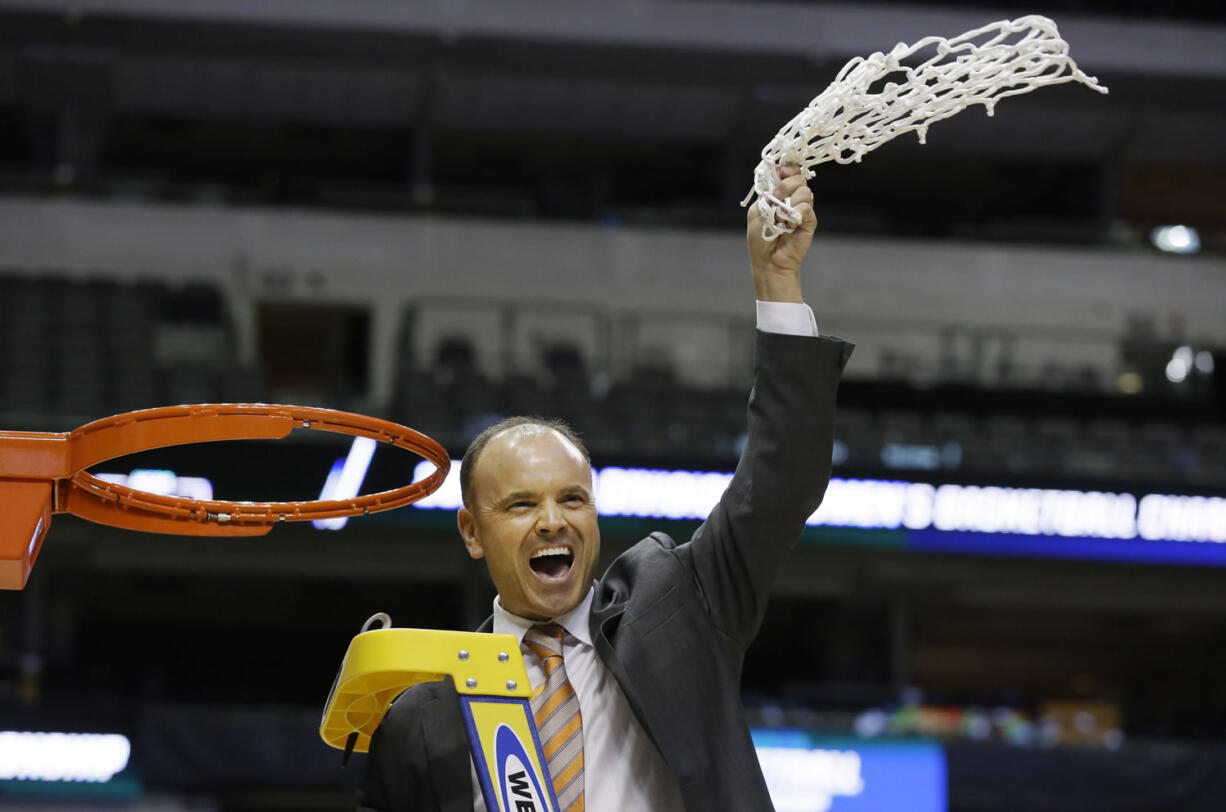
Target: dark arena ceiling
[{"x": 647, "y": 112}]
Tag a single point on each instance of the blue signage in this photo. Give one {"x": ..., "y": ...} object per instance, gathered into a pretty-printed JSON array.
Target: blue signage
[{"x": 807, "y": 772}]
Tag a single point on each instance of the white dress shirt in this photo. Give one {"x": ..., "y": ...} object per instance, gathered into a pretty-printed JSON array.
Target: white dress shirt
[{"x": 623, "y": 770}]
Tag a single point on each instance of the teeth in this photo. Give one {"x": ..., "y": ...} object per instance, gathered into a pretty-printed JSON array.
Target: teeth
[{"x": 551, "y": 551}]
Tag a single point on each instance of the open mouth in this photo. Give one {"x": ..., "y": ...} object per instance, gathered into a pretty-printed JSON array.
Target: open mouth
[{"x": 552, "y": 562}]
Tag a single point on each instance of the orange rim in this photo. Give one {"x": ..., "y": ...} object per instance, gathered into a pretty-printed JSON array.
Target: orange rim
[{"x": 119, "y": 505}]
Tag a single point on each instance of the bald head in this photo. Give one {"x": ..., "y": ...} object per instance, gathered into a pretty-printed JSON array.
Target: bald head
[{"x": 528, "y": 425}]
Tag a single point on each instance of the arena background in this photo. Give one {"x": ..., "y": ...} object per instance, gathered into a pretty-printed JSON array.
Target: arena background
[{"x": 438, "y": 212}]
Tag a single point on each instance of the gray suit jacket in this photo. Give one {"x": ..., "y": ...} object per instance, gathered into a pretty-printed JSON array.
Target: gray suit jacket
[{"x": 670, "y": 621}]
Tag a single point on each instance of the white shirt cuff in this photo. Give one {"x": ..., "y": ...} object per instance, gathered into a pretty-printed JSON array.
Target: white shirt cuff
[{"x": 789, "y": 318}]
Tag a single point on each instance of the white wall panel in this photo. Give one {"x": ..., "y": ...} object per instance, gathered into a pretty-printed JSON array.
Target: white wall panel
[{"x": 1067, "y": 305}]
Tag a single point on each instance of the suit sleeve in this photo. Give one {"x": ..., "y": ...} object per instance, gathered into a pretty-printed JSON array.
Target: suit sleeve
[
  {"x": 779, "y": 481},
  {"x": 418, "y": 759}
]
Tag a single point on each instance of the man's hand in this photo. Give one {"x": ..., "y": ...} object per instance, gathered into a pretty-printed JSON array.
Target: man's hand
[{"x": 776, "y": 264}]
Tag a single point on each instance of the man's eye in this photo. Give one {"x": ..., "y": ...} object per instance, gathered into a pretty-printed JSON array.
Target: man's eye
[{"x": 521, "y": 505}]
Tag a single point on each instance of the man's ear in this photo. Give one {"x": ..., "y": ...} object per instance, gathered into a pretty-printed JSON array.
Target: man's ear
[{"x": 468, "y": 531}]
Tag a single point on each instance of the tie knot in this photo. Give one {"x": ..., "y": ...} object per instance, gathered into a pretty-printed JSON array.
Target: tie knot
[
  {"x": 548, "y": 636},
  {"x": 551, "y": 629}
]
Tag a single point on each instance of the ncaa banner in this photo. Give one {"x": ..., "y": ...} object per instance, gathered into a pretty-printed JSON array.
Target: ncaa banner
[{"x": 507, "y": 753}]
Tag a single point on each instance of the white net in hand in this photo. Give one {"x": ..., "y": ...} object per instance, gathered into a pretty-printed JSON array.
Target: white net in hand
[{"x": 877, "y": 98}]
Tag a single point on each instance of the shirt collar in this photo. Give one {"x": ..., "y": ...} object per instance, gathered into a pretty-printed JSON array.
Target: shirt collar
[{"x": 576, "y": 621}]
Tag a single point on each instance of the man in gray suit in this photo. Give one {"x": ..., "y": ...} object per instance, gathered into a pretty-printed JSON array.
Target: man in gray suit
[{"x": 652, "y": 649}]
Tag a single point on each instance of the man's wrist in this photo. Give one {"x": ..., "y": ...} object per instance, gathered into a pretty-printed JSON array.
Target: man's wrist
[{"x": 777, "y": 286}]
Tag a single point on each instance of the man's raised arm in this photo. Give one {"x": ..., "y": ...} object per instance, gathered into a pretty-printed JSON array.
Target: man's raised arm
[{"x": 783, "y": 471}]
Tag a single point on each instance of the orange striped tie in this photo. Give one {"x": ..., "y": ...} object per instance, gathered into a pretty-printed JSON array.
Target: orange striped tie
[{"x": 556, "y": 709}]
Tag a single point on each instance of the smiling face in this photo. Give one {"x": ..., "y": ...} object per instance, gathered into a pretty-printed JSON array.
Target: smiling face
[{"x": 532, "y": 518}]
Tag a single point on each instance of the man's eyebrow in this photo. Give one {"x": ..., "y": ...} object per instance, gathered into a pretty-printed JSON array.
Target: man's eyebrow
[{"x": 515, "y": 495}]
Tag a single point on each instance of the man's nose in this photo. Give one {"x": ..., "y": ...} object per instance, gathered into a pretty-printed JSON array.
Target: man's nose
[{"x": 549, "y": 518}]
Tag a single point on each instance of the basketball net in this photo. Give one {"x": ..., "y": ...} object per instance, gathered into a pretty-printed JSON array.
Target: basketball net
[{"x": 878, "y": 98}]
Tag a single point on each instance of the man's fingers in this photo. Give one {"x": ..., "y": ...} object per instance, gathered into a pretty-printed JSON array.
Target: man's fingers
[
  {"x": 792, "y": 187},
  {"x": 789, "y": 186},
  {"x": 808, "y": 217},
  {"x": 802, "y": 195},
  {"x": 802, "y": 202}
]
